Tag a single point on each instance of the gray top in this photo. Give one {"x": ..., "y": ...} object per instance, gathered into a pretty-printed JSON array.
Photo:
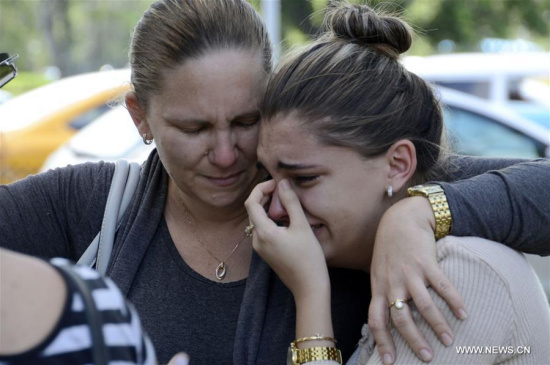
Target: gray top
[{"x": 58, "y": 213}]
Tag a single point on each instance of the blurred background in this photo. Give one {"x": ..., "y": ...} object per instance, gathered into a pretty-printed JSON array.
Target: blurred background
[
  {"x": 488, "y": 59},
  {"x": 59, "y": 38}
]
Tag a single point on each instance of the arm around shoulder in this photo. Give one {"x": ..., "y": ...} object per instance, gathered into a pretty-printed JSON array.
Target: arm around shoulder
[{"x": 509, "y": 205}]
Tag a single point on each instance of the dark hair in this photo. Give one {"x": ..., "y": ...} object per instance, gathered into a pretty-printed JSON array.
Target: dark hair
[
  {"x": 350, "y": 90},
  {"x": 173, "y": 31}
]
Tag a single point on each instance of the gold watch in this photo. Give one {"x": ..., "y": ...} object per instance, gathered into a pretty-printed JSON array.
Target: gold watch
[
  {"x": 440, "y": 207},
  {"x": 301, "y": 356}
]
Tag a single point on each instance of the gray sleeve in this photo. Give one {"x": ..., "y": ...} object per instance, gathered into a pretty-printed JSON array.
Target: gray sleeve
[
  {"x": 508, "y": 201},
  {"x": 56, "y": 213}
]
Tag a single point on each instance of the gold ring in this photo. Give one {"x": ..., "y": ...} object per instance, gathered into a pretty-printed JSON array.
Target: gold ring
[
  {"x": 398, "y": 304},
  {"x": 248, "y": 230}
]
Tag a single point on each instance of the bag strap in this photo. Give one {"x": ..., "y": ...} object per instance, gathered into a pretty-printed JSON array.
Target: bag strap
[
  {"x": 123, "y": 187},
  {"x": 95, "y": 322}
]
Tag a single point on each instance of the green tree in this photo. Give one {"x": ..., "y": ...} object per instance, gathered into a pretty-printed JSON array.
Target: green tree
[
  {"x": 82, "y": 35},
  {"x": 466, "y": 22},
  {"x": 74, "y": 35}
]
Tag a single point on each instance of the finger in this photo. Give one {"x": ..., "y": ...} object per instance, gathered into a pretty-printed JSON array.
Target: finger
[
  {"x": 255, "y": 204},
  {"x": 291, "y": 203},
  {"x": 261, "y": 191},
  {"x": 427, "y": 308},
  {"x": 402, "y": 321},
  {"x": 180, "y": 358},
  {"x": 379, "y": 327},
  {"x": 442, "y": 286}
]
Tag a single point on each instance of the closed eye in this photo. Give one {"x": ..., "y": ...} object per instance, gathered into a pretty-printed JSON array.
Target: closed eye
[
  {"x": 247, "y": 121},
  {"x": 304, "y": 179},
  {"x": 246, "y": 125},
  {"x": 193, "y": 131}
]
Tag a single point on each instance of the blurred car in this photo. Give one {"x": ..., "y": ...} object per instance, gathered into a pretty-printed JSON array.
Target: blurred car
[
  {"x": 119, "y": 139},
  {"x": 475, "y": 126},
  {"x": 4, "y": 96},
  {"x": 36, "y": 123},
  {"x": 519, "y": 81},
  {"x": 479, "y": 128}
]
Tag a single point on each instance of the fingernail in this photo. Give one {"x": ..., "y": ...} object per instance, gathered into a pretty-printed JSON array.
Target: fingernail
[
  {"x": 425, "y": 355},
  {"x": 462, "y": 314},
  {"x": 284, "y": 184},
  {"x": 181, "y": 359},
  {"x": 387, "y": 359},
  {"x": 447, "y": 340}
]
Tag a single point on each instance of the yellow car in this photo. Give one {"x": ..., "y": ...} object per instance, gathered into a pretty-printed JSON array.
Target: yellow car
[{"x": 36, "y": 123}]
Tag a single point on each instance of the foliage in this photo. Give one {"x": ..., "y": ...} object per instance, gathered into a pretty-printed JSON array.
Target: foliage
[
  {"x": 465, "y": 22},
  {"x": 74, "y": 35},
  {"x": 25, "y": 81},
  {"x": 82, "y": 35}
]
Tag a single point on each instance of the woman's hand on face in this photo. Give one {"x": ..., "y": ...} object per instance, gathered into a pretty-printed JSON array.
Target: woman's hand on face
[
  {"x": 404, "y": 263},
  {"x": 293, "y": 252}
]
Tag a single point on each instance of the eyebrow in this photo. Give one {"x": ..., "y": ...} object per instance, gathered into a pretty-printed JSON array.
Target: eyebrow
[
  {"x": 287, "y": 166},
  {"x": 251, "y": 114}
]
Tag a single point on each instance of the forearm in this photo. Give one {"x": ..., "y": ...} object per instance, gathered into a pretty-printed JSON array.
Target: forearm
[
  {"x": 511, "y": 206},
  {"x": 313, "y": 316}
]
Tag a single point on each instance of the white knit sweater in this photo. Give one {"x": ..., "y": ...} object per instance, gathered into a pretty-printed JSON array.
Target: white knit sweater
[{"x": 508, "y": 313}]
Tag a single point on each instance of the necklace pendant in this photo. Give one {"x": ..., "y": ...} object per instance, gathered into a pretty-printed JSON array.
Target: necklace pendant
[{"x": 221, "y": 271}]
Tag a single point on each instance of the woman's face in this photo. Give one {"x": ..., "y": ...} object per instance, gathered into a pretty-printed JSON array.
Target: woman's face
[
  {"x": 341, "y": 193},
  {"x": 205, "y": 124}
]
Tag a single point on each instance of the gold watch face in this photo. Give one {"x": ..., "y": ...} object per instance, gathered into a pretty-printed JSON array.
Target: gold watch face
[{"x": 425, "y": 189}]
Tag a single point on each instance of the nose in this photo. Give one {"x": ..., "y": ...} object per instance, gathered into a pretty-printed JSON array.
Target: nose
[
  {"x": 224, "y": 153},
  {"x": 276, "y": 210}
]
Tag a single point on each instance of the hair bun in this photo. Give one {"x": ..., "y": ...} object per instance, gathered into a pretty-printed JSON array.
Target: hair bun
[{"x": 361, "y": 24}]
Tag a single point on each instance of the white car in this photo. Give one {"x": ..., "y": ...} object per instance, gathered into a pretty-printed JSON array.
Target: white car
[
  {"x": 519, "y": 81},
  {"x": 110, "y": 137},
  {"x": 477, "y": 127}
]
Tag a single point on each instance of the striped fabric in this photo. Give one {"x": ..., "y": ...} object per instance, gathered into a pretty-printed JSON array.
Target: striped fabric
[{"x": 70, "y": 341}]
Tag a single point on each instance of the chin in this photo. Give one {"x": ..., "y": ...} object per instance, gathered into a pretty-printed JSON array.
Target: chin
[{"x": 226, "y": 198}]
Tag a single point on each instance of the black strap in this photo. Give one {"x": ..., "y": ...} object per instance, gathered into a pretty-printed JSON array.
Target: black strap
[{"x": 95, "y": 322}]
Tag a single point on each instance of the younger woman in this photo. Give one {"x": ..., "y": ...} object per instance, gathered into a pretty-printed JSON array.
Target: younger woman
[{"x": 346, "y": 132}]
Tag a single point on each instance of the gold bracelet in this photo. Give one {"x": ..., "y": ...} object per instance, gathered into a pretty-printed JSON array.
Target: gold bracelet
[
  {"x": 316, "y": 337},
  {"x": 301, "y": 356}
]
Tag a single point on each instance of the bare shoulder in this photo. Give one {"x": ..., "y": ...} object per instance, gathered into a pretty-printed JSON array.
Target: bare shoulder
[{"x": 33, "y": 296}]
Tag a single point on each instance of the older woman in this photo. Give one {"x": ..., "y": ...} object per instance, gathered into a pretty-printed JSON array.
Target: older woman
[
  {"x": 345, "y": 131},
  {"x": 181, "y": 255}
]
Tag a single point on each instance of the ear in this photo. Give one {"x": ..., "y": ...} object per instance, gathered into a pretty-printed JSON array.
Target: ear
[
  {"x": 138, "y": 114},
  {"x": 401, "y": 157}
]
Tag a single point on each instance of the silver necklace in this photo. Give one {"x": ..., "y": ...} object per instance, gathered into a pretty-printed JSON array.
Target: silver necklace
[{"x": 221, "y": 270}]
